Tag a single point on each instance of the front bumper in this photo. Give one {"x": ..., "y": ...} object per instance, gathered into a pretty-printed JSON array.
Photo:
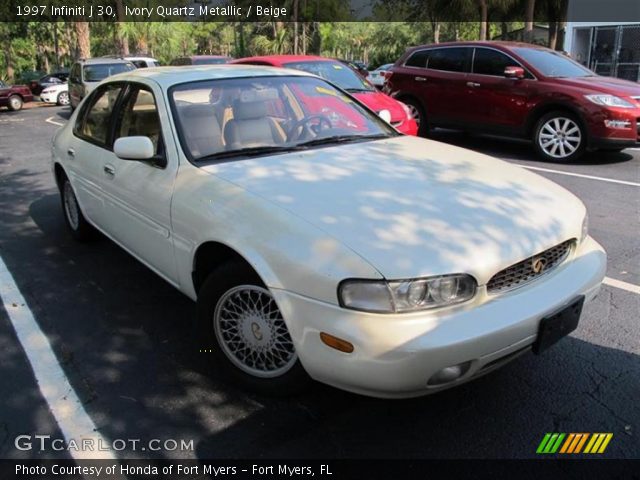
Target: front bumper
[
  {"x": 396, "y": 355},
  {"x": 605, "y": 137},
  {"x": 49, "y": 97}
]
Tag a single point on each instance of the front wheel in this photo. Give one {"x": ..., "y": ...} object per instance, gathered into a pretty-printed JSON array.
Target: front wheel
[
  {"x": 241, "y": 329},
  {"x": 15, "y": 103},
  {"x": 560, "y": 137},
  {"x": 63, "y": 98},
  {"x": 418, "y": 114}
]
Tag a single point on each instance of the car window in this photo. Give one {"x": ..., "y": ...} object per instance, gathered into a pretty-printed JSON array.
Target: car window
[
  {"x": 454, "y": 59},
  {"x": 418, "y": 59},
  {"x": 2, "y": 84},
  {"x": 227, "y": 117},
  {"x": 98, "y": 72},
  {"x": 337, "y": 73},
  {"x": 553, "y": 64},
  {"x": 74, "y": 75},
  {"x": 491, "y": 62},
  {"x": 139, "y": 117},
  {"x": 95, "y": 123},
  {"x": 209, "y": 61}
]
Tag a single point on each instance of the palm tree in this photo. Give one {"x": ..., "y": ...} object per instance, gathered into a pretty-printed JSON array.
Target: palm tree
[{"x": 83, "y": 39}]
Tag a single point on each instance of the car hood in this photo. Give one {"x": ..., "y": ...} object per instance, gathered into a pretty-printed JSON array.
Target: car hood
[
  {"x": 378, "y": 101},
  {"x": 610, "y": 85},
  {"x": 414, "y": 207}
]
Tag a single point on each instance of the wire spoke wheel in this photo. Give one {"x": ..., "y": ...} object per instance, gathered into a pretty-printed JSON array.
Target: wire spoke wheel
[
  {"x": 71, "y": 206},
  {"x": 560, "y": 137},
  {"x": 252, "y": 333}
]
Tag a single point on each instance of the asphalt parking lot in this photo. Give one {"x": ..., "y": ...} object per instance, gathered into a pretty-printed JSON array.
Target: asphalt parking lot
[{"x": 124, "y": 339}]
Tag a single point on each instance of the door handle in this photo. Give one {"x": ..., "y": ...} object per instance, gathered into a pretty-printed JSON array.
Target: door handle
[
  {"x": 420, "y": 79},
  {"x": 473, "y": 84},
  {"x": 71, "y": 152},
  {"x": 109, "y": 170}
]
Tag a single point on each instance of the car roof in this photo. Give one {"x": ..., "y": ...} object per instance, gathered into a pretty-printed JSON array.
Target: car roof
[
  {"x": 168, "y": 76},
  {"x": 102, "y": 60},
  {"x": 504, "y": 45},
  {"x": 282, "y": 59}
]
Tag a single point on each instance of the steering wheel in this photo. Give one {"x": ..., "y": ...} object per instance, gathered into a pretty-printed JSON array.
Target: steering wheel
[{"x": 293, "y": 133}]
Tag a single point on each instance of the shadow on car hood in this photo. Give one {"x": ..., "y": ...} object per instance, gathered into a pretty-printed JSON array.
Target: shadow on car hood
[{"x": 415, "y": 207}]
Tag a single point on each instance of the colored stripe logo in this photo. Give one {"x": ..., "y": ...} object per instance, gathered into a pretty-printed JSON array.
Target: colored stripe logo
[{"x": 573, "y": 443}]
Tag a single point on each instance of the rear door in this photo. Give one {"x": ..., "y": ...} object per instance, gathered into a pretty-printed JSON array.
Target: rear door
[
  {"x": 76, "y": 90},
  {"x": 444, "y": 85},
  {"x": 495, "y": 102},
  {"x": 88, "y": 151}
]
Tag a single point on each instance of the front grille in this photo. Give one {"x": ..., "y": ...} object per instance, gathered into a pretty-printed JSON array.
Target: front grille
[{"x": 529, "y": 269}]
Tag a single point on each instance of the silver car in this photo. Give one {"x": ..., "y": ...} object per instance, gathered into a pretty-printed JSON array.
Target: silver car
[{"x": 87, "y": 73}]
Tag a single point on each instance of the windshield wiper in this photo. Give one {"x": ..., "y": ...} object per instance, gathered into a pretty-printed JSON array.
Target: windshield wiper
[
  {"x": 249, "y": 152},
  {"x": 340, "y": 139},
  {"x": 355, "y": 90}
]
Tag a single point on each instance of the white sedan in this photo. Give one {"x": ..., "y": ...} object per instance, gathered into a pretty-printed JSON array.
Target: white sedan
[
  {"x": 379, "y": 75},
  {"x": 317, "y": 241},
  {"x": 58, "y": 94}
]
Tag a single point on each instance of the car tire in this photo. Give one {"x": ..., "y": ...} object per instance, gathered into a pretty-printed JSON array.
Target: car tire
[
  {"x": 63, "y": 99},
  {"x": 560, "y": 136},
  {"x": 418, "y": 114},
  {"x": 244, "y": 348},
  {"x": 15, "y": 103},
  {"x": 80, "y": 229}
]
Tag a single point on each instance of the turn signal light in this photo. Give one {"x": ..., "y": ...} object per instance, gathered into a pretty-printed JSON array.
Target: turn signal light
[{"x": 335, "y": 342}]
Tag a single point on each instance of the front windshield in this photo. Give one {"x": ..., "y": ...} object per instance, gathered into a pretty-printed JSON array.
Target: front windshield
[
  {"x": 210, "y": 60},
  {"x": 337, "y": 73},
  {"x": 263, "y": 115},
  {"x": 553, "y": 64},
  {"x": 98, "y": 72}
]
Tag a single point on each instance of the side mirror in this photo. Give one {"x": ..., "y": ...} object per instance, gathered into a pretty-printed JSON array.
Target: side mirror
[
  {"x": 514, "y": 72},
  {"x": 385, "y": 115},
  {"x": 133, "y": 148}
]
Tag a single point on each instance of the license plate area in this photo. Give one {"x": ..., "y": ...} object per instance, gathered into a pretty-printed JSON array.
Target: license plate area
[{"x": 558, "y": 325}]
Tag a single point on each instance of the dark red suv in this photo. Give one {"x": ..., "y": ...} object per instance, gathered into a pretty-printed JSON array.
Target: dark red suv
[{"x": 518, "y": 90}]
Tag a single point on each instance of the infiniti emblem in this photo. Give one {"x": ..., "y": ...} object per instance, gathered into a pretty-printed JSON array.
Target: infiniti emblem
[
  {"x": 255, "y": 328},
  {"x": 538, "y": 264}
]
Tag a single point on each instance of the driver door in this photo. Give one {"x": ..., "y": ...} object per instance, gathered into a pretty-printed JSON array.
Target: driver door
[{"x": 138, "y": 193}]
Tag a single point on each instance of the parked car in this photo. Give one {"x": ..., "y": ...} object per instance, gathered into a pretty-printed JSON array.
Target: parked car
[
  {"x": 347, "y": 79},
  {"x": 201, "y": 60},
  {"x": 359, "y": 67},
  {"x": 86, "y": 74},
  {"x": 380, "y": 263},
  {"x": 14, "y": 96},
  {"x": 519, "y": 90},
  {"x": 58, "y": 94},
  {"x": 378, "y": 76},
  {"x": 140, "y": 61},
  {"x": 56, "y": 78}
]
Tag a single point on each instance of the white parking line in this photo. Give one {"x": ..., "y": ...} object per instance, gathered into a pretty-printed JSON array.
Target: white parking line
[
  {"x": 54, "y": 386},
  {"x": 590, "y": 177},
  {"x": 629, "y": 287},
  {"x": 52, "y": 121}
]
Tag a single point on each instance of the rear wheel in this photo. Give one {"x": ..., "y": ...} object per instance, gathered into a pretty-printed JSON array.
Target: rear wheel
[
  {"x": 15, "y": 103},
  {"x": 418, "y": 114},
  {"x": 242, "y": 330},
  {"x": 80, "y": 229},
  {"x": 63, "y": 98},
  {"x": 560, "y": 137}
]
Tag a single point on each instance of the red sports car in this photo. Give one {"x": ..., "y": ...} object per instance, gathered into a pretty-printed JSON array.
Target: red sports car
[{"x": 347, "y": 79}]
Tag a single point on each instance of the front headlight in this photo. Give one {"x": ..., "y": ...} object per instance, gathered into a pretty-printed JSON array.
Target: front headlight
[
  {"x": 609, "y": 101},
  {"x": 401, "y": 296},
  {"x": 585, "y": 228}
]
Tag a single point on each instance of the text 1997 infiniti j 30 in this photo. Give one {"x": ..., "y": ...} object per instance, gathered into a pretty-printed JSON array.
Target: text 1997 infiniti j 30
[{"x": 324, "y": 245}]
